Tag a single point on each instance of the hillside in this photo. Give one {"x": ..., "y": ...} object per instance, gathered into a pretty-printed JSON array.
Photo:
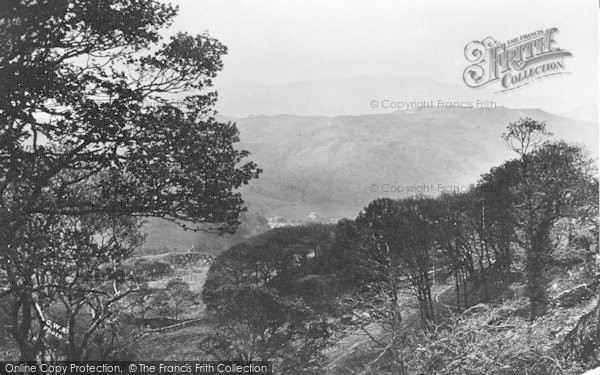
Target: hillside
[{"x": 328, "y": 165}]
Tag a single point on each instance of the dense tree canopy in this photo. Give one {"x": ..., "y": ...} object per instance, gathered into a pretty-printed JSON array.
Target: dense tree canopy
[
  {"x": 85, "y": 97},
  {"x": 88, "y": 127}
]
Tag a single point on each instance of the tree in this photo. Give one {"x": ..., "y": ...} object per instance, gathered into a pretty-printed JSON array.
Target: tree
[
  {"x": 179, "y": 296},
  {"x": 559, "y": 183},
  {"x": 525, "y": 135},
  {"x": 400, "y": 240},
  {"x": 475, "y": 225},
  {"x": 255, "y": 323},
  {"x": 257, "y": 294},
  {"x": 380, "y": 227},
  {"x": 555, "y": 181},
  {"x": 78, "y": 275},
  {"x": 478, "y": 230},
  {"x": 84, "y": 102},
  {"x": 345, "y": 251},
  {"x": 457, "y": 253},
  {"x": 498, "y": 187},
  {"x": 279, "y": 257}
]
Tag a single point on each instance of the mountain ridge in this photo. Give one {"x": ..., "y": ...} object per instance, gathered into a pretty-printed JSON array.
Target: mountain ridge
[
  {"x": 440, "y": 145},
  {"x": 352, "y": 96},
  {"x": 335, "y": 165}
]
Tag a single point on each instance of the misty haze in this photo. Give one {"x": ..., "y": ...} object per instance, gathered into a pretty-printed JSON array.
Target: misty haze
[{"x": 299, "y": 187}]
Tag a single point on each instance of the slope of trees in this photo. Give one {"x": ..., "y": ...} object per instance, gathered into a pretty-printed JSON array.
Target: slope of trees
[{"x": 506, "y": 228}]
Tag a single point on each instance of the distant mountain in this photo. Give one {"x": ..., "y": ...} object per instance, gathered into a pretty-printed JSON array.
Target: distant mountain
[
  {"x": 585, "y": 112},
  {"x": 353, "y": 96},
  {"x": 333, "y": 165}
]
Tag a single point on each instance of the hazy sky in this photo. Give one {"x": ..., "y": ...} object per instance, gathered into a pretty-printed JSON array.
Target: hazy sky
[{"x": 275, "y": 41}]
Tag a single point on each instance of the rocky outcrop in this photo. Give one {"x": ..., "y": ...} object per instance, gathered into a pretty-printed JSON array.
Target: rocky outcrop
[{"x": 582, "y": 343}]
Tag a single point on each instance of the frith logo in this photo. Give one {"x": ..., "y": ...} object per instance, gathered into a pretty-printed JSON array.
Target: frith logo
[{"x": 514, "y": 63}]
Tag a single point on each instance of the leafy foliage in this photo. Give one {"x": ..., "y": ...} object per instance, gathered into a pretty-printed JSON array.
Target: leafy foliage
[{"x": 90, "y": 135}]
